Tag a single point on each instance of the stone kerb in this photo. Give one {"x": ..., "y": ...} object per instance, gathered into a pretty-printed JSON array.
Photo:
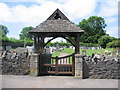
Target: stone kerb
[
  {"x": 34, "y": 64},
  {"x": 78, "y": 66}
]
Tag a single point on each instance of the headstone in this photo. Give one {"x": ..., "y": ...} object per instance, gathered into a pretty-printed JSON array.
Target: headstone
[
  {"x": 1, "y": 48},
  {"x": 8, "y": 48},
  {"x": 30, "y": 49},
  {"x": 84, "y": 53},
  {"x": 48, "y": 51}
]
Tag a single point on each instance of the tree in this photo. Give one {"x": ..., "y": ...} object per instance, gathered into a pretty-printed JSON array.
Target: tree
[
  {"x": 3, "y": 30},
  {"x": 113, "y": 44},
  {"x": 103, "y": 40},
  {"x": 24, "y": 33},
  {"x": 25, "y": 36},
  {"x": 94, "y": 28}
]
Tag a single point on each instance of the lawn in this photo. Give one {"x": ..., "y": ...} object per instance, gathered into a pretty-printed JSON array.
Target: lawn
[{"x": 88, "y": 51}]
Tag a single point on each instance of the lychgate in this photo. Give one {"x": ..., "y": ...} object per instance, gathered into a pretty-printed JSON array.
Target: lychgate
[{"x": 57, "y": 25}]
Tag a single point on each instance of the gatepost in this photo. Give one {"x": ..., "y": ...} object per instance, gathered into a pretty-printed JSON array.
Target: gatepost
[
  {"x": 78, "y": 66},
  {"x": 34, "y": 64}
]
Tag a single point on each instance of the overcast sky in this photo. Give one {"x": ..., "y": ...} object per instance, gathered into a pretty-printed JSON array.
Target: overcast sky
[{"x": 18, "y": 14}]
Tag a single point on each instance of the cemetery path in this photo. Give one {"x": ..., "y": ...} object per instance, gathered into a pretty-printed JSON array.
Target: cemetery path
[
  {"x": 63, "y": 54},
  {"x": 11, "y": 81}
]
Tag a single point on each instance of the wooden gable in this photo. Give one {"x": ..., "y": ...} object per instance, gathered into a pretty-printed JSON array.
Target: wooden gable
[{"x": 57, "y": 15}]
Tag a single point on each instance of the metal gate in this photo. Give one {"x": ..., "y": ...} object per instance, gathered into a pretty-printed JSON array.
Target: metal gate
[{"x": 58, "y": 65}]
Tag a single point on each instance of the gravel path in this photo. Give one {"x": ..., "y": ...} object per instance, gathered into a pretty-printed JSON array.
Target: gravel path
[{"x": 11, "y": 81}]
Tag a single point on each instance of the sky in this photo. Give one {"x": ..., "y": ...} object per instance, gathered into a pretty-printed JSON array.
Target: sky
[{"x": 16, "y": 14}]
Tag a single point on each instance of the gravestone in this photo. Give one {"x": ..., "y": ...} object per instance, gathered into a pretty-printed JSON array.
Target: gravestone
[
  {"x": 30, "y": 49},
  {"x": 84, "y": 53},
  {"x": 1, "y": 48},
  {"x": 48, "y": 50},
  {"x": 8, "y": 48}
]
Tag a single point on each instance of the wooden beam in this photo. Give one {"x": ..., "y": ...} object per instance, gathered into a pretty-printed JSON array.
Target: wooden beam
[
  {"x": 77, "y": 46},
  {"x": 49, "y": 41},
  {"x": 35, "y": 45},
  {"x": 72, "y": 42}
]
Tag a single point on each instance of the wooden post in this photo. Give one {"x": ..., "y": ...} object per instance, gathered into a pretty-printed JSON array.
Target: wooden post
[
  {"x": 56, "y": 66},
  {"x": 77, "y": 47},
  {"x": 35, "y": 44},
  {"x": 41, "y": 45},
  {"x": 73, "y": 64}
]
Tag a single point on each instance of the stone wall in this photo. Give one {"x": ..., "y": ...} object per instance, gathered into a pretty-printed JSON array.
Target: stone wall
[
  {"x": 103, "y": 69},
  {"x": 14, "y": 63}
]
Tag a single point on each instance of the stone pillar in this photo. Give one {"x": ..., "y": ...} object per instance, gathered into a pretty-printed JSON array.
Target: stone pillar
[
  {"x": 34, "y": 64},
  {"x": 78, "y": 66}
]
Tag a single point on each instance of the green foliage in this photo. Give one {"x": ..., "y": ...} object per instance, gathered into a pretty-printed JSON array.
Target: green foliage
[
  {"x": 3, "y": 30},
  {"x": 15, "y": 42},
  {"x": 103, "y": 40},
  {"x": 94, "y": 28},
  {"x": 58, "y": 43},
  {"x": 24, "y": 33},
  {"x": 88, "y": 44},
  {"x": 113, "y": 44}
]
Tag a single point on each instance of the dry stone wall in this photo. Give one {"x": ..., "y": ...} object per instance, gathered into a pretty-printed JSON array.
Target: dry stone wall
[
  {"x": 14, "y": 63},
  {"x": 103, "y": 69}
]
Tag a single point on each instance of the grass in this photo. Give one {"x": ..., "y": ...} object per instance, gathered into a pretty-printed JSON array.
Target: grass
[
  {"x": 88, "y": 51},
  {"x": 66, "y": 50}
]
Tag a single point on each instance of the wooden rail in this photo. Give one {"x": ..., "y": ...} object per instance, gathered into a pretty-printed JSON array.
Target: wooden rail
[{"x": 60, "y": 65}]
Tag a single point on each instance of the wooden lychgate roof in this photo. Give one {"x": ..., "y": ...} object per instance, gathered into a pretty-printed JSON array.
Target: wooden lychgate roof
[{"x": 57, "y": 23}]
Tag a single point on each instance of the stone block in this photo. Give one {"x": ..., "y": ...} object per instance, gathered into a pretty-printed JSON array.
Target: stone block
[
  {"x": 21, "y": 50},
  {"x": 78, "y": 66},
  {"x": 34, "y": 71},
  {"x": 4, "y": 54},
  {"x": 34, "y": 65},
  {"x": 34, "y": 62}
]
